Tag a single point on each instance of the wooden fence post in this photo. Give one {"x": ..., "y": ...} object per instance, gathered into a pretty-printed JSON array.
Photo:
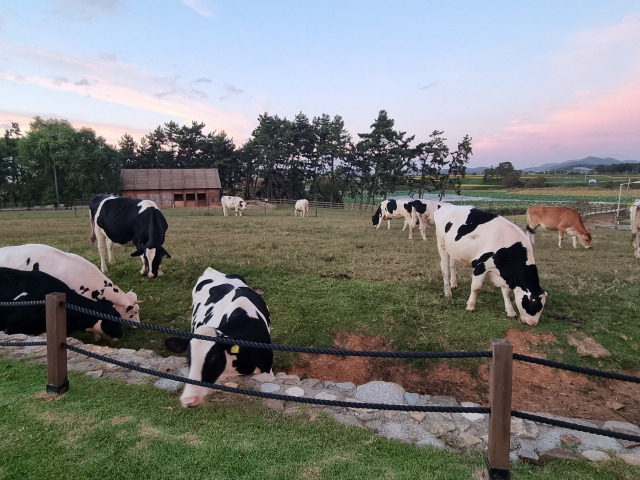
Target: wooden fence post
[
  {"x": 57, "y": 381},
  {"x": 500, "y": 403}
]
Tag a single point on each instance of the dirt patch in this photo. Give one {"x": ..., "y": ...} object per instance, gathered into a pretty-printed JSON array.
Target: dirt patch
[
  {"x": 590, "y": 220},
  {"x": 535, "y": 388}
]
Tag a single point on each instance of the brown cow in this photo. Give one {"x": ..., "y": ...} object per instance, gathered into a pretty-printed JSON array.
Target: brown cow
[
  {"x": 634, "y": 213},
  {"x": 563, "y": 219}
]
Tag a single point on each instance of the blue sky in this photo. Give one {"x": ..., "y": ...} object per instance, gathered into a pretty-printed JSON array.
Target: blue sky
[{"x": 530, "y": 81}]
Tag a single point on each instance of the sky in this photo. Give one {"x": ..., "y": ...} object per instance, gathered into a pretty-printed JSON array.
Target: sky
[{"x": 531, "y": 82}]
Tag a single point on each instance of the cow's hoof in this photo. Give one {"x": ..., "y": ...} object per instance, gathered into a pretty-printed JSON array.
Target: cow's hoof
[{"x": 189, "y": 402}]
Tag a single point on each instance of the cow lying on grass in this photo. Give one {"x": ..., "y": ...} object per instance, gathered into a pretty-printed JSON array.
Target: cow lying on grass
[
  {"x": 492, "y": 246},
  {"x": 223, "y": 305},
  {"x": 30, "y": 272}
]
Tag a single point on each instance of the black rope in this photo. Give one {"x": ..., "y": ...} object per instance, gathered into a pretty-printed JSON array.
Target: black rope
[
  {"x": 574, "y": 426},
  {"x": 575, "y": 368},
  {"x": 285, "y": 348},
  {"x": 29, "y": 303},
  {"x": 275, "y": 396},
  {"x": 23, "y": 344}
]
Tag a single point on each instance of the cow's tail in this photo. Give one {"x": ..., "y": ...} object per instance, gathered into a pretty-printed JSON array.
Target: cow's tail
[{"x": 530, "y": 230}]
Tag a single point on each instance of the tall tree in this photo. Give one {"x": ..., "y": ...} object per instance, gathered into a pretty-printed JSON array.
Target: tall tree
[
  {"x": 63, "y": 165},
  {"x": 387, "y": 153},
  {"x": 332, "y": 145},
  {"x": 10, "y": 171}
]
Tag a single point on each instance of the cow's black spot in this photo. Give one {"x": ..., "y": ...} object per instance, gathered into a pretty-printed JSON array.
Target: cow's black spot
[
  {"x": 28, "y": 261},
  {"x": 475, "y": 218},
  {"x": 208, "y": 315},
  {"x": 95, "y": 294},
  {"x": 129, "y": 308},
  {"x": 218, "y": 292},
  {"x": 235, "y": 277},
  {"x": 115, "y": 290},
  {"x": 392, "y": 206},
  {"x": 36, "y": 267},
  {"x": 224, "y": 320},
  {"x": 420, "y": 206},
  {"x": 200, "y": 285},
  {"x": 447, "y": 227},
  {"x": 478, "y": 264}
]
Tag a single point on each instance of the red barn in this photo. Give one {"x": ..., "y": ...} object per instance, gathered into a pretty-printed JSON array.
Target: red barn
[{"x": 173, "y": 187}]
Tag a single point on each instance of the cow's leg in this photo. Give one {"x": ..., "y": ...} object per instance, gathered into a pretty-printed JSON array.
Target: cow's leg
[
  {"x": 102, "y": 247},
  {"x": 110, "y": 251},
  {"x": 575, "y": 241},
  {"x": 508, "y": 307},
  {"x": 531, "y": 234},
  {"x": 560, "y": 236},
  {"x": 476, "y": 285},
  {"x": 446, "y": 272},
  {"x": 410, "y": 228},
  {"x": 388, "y": 224}
]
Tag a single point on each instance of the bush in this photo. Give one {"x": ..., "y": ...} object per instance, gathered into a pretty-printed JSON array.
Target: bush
[{"x": 537, "y": 182}]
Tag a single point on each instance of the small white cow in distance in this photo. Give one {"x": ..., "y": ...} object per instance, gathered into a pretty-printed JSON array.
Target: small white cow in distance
[
  {"x": 235, "y": 203},
  {"x": 634, "y": 213},
  {"x": 563, "y": 219},
  {"x": 223, "y": 306},
  {"x": 493, "y": 246},
  {"x": 424, "y": 210},
  {"x": 302, "y": 206},
  {"x": 389, "y": 209}
]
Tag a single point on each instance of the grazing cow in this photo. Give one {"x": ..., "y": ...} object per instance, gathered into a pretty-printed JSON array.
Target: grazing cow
[
  {"x": 236, "y": 203},
  {"x": 223, "y": 305},
  {"x": 424, "y": 210},
  {"x": 29, "y": 272},
  {"x": 302, "y": 206},
  {"x": 129, "y": 221},
  {"x": 563, "y": 219},
  {"x": 493, "y": 246},
  {"x": 389, "y": 209},
  {"x": 634, "y": 213}
]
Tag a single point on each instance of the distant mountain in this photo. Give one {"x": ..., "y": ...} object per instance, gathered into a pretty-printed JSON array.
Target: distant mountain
[{"x": 589, "y": 162}]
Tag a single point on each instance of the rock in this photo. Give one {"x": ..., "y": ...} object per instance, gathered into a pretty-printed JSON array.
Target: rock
[
  {"x": 294, "y": 392},
  {"x": 528, "y": 454},
  {"x": 587, "y": 346},
  {"x": 559, "y": 454},
  {"x": 269, "y": 387},
  {"x": 570, "y": 440},
  {"x": 380, "y": 392},
  {"x": 411, "y": 398},
  {"x": 418, "y": 416},
  {"x": 166, "y": 384},
  {"x": 630, "y": 458},
  {"x": 472, "y": 417},
  {"x": 345, "y": 385},
  {"x": 264, "y": 377},
  {"x": 596, "y": 456},
  {"x": 326, "y": 396}
]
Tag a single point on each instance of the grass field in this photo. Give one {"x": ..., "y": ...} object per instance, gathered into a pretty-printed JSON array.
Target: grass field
[{"x": 328, "y": 274}]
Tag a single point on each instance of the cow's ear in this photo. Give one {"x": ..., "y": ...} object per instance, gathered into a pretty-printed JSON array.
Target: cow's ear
[
  {"x": 137, "y": 253},
  {"x": 165, "y": 253},
  {"x": 176, "y": 344}
]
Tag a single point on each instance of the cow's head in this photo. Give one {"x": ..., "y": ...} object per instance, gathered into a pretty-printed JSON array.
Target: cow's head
[
  {"x": 242, "y": 205},
  {"x": 376, "y": 216},
  {"x": 207, "y": 361},
  {"x": 530, "y": 305},
  {"x": 585, "y": 239},
  {"x": 151, "y": 259}
]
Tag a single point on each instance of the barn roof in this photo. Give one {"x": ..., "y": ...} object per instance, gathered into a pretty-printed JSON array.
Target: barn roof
[{"x": 169, "y": 178}]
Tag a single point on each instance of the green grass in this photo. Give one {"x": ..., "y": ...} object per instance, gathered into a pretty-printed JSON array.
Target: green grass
[
  {"x": 321, "y": 276},
  {"x": 106, "y": 429}
]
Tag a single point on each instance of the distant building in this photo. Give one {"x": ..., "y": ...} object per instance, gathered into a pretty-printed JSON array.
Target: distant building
[{"x": 173, "y": 187}]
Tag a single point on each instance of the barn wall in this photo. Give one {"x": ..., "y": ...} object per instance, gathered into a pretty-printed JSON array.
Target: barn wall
[{"x": 187, "y": 198}]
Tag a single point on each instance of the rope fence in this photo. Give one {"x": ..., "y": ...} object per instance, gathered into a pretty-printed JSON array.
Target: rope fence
[{"x": 501, "y": 356}]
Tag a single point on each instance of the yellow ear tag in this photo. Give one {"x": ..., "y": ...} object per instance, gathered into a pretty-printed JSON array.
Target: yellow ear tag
[{"x": 235, "y": 349}]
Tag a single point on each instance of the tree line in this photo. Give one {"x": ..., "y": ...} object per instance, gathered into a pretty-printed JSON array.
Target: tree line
[{"x": 299, "y": 158}]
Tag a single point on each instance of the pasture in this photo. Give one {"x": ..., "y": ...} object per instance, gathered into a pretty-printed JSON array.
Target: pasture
[{"x": 332, "y": 275}]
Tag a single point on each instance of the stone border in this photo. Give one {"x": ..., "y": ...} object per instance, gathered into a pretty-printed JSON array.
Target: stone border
[{"x": 459, "y": 432}]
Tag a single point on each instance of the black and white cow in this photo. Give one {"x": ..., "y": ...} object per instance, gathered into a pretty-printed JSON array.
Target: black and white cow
[
  {"x": 235, "y": 203},
  {"x": 424, "y": 210},
  {"x": 129, "y": 221},
  {"x": 389, "y": 209},
  {"x": 29, "y": 272},
  {"x": 223, "y": 305},
  {"x": 493, "y": 246}
]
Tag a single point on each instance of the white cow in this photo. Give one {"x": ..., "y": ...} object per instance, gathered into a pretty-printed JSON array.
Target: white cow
[
  {"x": 389, "y": 209},
  {"x": 493, "y": 246},
  {"x": 236, "y": 203},
  {"x": 634, "y": 213},
  {"x": 424, "y": 210},
  {"x": 302, "y": 206}
]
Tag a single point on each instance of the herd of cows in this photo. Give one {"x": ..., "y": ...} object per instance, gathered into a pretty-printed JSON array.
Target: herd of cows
[{"x": 225, "y": 306}]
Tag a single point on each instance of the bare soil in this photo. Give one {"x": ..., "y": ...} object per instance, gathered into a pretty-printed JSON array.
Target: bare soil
[{"x": 536, "y": 388}]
